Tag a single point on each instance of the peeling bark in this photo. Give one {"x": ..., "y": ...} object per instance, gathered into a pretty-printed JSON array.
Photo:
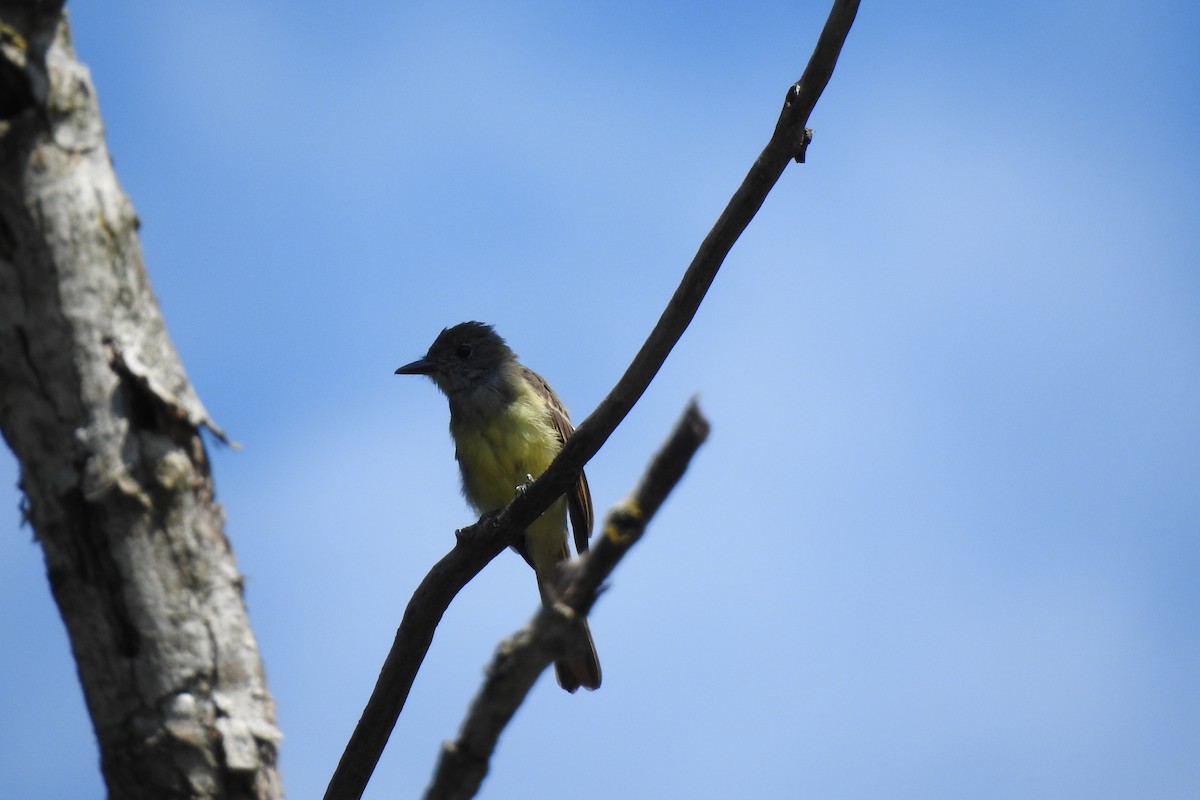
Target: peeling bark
[{"x": 107, "y": 429}]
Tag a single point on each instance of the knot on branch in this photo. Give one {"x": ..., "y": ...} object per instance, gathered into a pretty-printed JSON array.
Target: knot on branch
[{"x": 625, "y": 524}]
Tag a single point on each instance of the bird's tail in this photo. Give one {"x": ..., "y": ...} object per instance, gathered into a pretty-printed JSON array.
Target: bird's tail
[{"x": 580, "y": 670}]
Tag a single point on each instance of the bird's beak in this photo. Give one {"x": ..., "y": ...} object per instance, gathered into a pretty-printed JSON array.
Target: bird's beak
[{"x": 422, "y": 366}]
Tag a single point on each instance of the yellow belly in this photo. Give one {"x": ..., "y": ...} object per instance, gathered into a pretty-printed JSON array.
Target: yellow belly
[{"x": 497, "y": 454}]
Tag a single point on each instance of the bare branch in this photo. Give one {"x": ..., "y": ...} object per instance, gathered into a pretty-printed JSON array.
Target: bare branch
[
  {"x": 483, "y": 541},
  {"x": 521, "y": 658},
  {"x": 476, "y": 546},
  {"x": 787, "y": 143}
]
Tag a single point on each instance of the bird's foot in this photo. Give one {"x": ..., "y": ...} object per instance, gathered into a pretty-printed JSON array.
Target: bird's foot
[{"x": 522, "y": 488}]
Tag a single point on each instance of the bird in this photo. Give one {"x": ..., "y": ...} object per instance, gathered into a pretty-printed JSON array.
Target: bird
[{"x": 508, "y": 425}]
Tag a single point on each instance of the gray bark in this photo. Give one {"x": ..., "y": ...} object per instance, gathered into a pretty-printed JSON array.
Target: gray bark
[{"x": 107, "y": 429}]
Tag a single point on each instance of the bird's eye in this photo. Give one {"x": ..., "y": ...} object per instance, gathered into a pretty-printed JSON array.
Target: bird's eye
[{"x": 463, "y": 351}]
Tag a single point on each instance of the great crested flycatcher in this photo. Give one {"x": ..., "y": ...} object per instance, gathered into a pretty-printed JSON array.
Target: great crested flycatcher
[{"x": 508, "y": 424}]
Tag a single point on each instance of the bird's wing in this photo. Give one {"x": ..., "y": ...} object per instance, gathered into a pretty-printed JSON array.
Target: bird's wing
[{"x": 579, "y": 499}]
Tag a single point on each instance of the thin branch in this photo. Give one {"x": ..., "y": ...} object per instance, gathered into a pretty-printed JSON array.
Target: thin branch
[
  {"x": 521, "y": 658},
  {"x": 787, "y": 143},
  {"x": 483, "y": 541},
  {"x": 471, "y": 553}
]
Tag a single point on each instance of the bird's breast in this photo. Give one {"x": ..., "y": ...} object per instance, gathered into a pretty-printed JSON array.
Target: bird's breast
[{"x": 496, "y": 451}]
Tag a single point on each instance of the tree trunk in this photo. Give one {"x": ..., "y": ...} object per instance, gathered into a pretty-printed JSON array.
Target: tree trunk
[{"x": 106, "y": 426}]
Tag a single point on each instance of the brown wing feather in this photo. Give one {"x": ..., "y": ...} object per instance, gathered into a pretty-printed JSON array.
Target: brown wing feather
[
  {"x": 579, "y": 499},
  {"x": 579, "y": 504}
]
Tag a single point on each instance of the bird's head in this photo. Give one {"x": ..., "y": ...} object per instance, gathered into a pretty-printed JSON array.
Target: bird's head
[{"x": 462, "y": 358}]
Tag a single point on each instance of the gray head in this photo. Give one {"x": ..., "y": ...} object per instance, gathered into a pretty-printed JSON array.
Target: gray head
[{"x": 467, "y": 356}]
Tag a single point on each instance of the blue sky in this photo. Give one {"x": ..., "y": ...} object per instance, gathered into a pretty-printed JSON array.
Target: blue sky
[{"x": 944, "y": 540}]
